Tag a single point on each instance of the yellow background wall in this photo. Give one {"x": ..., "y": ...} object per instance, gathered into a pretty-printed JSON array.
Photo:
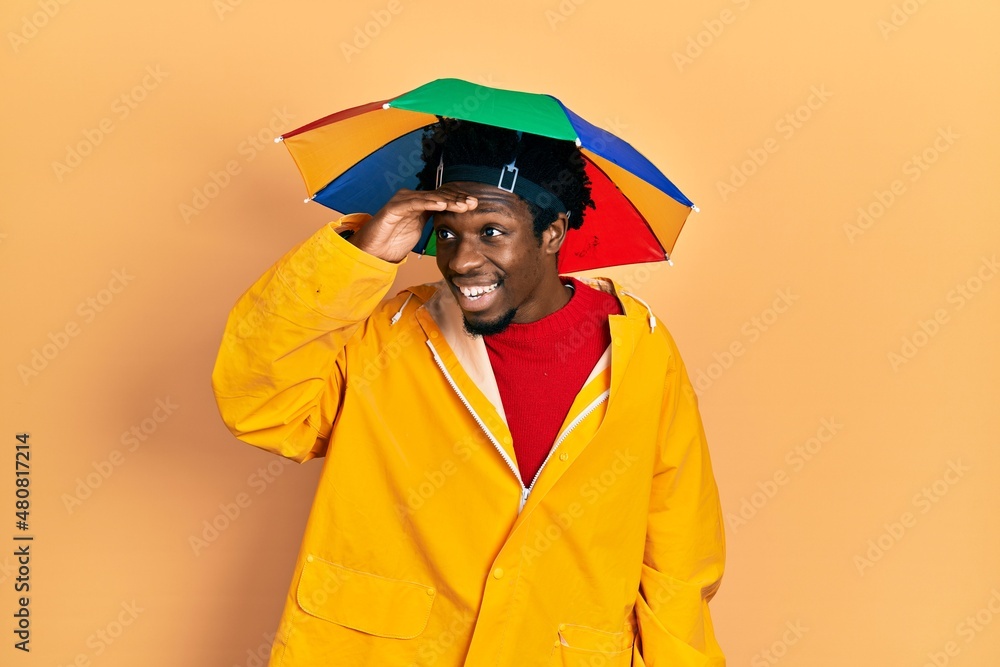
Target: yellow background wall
[{"x": 836, "y": 299}]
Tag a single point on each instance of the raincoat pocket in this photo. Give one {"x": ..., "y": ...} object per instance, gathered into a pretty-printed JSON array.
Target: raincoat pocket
[
  {"x": 364, "y": 601},
  {"x": 582, "y": 646}
]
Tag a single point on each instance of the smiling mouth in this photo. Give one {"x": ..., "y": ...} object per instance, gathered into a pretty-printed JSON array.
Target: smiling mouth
[
  {"x": 473, "y": 293},
  {"x": 476, "y": 298}
]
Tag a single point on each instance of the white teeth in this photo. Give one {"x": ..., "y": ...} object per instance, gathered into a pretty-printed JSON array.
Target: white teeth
[{"x": 473, "y": 292}]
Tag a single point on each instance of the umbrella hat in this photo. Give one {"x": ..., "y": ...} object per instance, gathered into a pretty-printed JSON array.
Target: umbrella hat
[{"x": 356, "y": 159}]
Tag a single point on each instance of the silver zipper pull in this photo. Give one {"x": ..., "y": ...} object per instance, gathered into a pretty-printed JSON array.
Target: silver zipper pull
[{"x": 524, "y": 499}]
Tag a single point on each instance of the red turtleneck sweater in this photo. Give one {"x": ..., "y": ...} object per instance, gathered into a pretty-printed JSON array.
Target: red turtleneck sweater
[{"x": 541, "y": 366}]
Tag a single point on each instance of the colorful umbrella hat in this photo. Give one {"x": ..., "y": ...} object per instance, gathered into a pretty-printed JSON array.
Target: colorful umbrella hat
[{"x": 353, "y": 161}]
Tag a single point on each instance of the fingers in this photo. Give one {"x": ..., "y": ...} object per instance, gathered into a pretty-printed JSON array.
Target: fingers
[
  {"x": 453, "y": 192},
  {"x": 458, "y": 204},
  {"x": 439, "y": 200},
  {"x": 416, "y": 206}
]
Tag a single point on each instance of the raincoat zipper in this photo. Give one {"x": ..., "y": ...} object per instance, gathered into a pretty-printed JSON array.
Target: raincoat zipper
[{"x": 572, "y": 425}]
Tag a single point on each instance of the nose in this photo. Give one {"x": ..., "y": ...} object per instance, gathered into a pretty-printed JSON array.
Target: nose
[{"x": 466, "y": 257}]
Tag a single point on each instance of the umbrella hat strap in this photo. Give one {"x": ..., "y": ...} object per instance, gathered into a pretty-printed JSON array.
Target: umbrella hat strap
[{"x": 505, "y": 178}]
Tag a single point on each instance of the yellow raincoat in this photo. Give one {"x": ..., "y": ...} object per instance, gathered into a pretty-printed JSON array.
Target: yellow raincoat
[{"x": 423, "y": 546}]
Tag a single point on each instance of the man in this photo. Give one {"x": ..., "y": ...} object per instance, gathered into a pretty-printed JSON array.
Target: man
[{"x": 516, "y": 471}]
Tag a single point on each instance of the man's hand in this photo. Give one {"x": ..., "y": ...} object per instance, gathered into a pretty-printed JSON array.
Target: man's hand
[{"x": 395, "y": 229}]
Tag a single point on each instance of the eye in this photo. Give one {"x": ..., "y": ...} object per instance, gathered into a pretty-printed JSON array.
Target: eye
[
  {"x": 493, "y": 229},
  {"x": 441, "y": 233}
]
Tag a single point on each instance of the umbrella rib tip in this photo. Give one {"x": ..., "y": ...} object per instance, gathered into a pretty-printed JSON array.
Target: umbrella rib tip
[
  {"x": 278, "y": 140},
  {"x": 385, "y": 106}
]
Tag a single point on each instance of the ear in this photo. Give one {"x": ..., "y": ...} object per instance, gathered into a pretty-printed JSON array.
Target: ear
[{"x": 554, "y": 235}]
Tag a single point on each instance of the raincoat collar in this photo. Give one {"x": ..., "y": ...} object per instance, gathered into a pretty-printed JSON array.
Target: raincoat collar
[{"x": 440, "y": 316}]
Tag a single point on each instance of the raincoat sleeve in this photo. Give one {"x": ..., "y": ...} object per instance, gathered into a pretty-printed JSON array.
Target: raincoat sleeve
[
  {"x": 279, "y": 373},
  {"x": 685, "y": 539}
]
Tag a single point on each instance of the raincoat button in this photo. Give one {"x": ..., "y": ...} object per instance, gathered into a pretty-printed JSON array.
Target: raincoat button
[
  {"x": 430, "y": 591},
  {"x": 557, "y": 643},
  {"x": 434, "y": 334},
  {"x": 309, "y": 559},
  {"x": 563, "y": 456},
  {"x": 562, "y": 627},
  {"x": 497, "y": 573},
  {"x": 507, "y": 440},
  {"x": 618, "y": 341}
]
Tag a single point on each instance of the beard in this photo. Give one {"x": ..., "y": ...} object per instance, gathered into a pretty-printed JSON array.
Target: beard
[{"x": 490, "y": 327}]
